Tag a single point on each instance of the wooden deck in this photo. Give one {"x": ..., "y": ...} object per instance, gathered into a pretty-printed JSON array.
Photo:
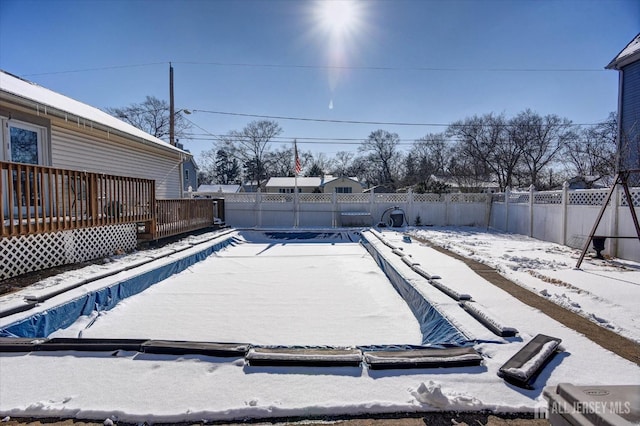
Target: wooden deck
[{"x": 36, "y": 200}]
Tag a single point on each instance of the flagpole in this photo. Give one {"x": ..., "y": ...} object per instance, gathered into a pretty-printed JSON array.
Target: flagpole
[{"x": 296, "y": 169}]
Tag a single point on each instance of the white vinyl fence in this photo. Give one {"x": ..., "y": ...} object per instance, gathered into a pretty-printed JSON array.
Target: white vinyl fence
[
  {"x": 266, "y": 210},
  {"x": 567, "y": 217},
  {"x": 564, "y": 216}
]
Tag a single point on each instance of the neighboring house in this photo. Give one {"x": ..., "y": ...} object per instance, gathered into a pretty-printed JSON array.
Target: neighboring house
[
  {"x": 189, "y": 171},
  {"x": 46, "y": 128},
  {"x": 342, "y": 185},
  {"x": 227, "y": 189},
  {"x": 627, "y": 62},
  {"x": 251, "y": 186},
  {"x": 317, "y": 184},
  {"x": 587, "y": 182}
]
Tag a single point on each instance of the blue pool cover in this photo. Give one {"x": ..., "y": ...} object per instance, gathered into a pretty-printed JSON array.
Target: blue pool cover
[
  {"x": 435, "y": 328},
  {"x": 44, "y": 323}
]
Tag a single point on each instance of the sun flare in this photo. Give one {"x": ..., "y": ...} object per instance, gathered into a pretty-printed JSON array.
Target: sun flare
[
  {"x": 339, "y": 17},
  {"x": 341, "y": 27}
]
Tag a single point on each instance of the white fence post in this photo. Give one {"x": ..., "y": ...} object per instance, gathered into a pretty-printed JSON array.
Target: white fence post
[
  {"x": 296, "y": 209},
  {"x": 531, "y": 195},
  {"x": 487, "y": 210},
  {"x": 565, "y": 208},
  {"x": 334, "y": 209},
  {"x": 613, "y": 224},
  {"x": 259, "y": 208},
  {"x": 372, "y": 198},
  {"x": 507, "y": 195},
  {"x": 447, "y": 203},
  {"x": 410, "y": 207}
]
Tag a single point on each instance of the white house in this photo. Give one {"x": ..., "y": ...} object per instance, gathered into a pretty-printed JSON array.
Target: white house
[
  {"x": 307, "y": 185},
  {"x": 77, "y": 183},
  {"x": 40, "y": 126}
]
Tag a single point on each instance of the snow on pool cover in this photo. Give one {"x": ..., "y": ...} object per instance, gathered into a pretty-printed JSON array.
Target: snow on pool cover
[{"x": 261, "y": 287}]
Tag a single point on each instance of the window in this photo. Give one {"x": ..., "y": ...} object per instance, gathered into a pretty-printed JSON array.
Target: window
[
  {"x": 286, "y": 190},
  {"x": 23, "y": 143},
  {"x": 186, "y": 175},
  {"x": 344, "y": 189}
]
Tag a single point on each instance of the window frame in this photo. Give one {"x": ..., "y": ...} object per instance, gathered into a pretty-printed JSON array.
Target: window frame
[{"x": 42, "y": 142}]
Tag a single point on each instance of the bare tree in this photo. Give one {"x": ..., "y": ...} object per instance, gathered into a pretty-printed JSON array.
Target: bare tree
[
  {"x": 486, "y": 140},
  {"x": 280, "y": 162},
  {"x": 321, "y": 164},
  {"x": 466, "y": 172},
  {"x": 381, "y": 149},
  {"x": 251, "y": 146},
  {"x": 433, "y": 152},
  {"x": 593, "y": 152},
  {"x": 152, "y": 116},
  {"x": 343, "y": 161},
  {"x": 540, "y": 140}
]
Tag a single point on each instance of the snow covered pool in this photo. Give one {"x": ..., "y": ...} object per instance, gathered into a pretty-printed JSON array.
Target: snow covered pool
[{"x": 262, "y": 288}]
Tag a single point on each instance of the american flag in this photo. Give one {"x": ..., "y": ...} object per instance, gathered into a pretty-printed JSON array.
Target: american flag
[{"x": 297, "y": 167}]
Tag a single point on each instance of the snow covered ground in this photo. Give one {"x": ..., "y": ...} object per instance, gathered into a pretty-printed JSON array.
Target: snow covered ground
[
  {"x": 132, "y": 386},
  {"x": 605, "y": 291}
]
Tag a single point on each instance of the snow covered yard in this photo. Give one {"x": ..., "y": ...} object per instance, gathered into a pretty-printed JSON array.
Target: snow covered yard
[
  {"x": 605, "y": 291},
  {"x": 133, "y": 386}
]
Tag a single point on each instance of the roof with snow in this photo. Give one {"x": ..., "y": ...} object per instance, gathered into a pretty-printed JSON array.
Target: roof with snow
[
  {"x": 313, "y": 181},
  {"x": 283, "y": 182},
  {"x": 628, "y": 55},
  {"x": 219, "y": 188},
  {"x": 45, "y": 98}
]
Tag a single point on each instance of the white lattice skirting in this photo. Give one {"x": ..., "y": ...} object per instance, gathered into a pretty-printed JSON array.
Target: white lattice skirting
[{"x": 19, "y": 255}]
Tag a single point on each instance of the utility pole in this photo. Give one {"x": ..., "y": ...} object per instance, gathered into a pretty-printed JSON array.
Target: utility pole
[{"x": 172, "y": 114}]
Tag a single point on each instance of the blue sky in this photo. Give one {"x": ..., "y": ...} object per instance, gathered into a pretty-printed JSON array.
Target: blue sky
[{"x": 409, "y": 61}]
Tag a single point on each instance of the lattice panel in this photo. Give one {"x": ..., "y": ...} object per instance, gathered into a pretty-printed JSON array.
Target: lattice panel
[
  {"x": 547, "y": 197},
  {"x": 240, "y": 198},
  {"x": 519, "y": 198},
  {"x": 635, "y": 197},
  {"x": 315, "y": 198},
  {"x": 19, "y": 255},
  {"x": 277, "y": 198},
  {"x": 469, "y": 198},
  {"x": 587, "y": 198},
  {"x": 91, "y": 243},
  {"x": 353, "y": 198},
  {"x": 428, "y": 198},
  {"x": 392, "y": 198}
]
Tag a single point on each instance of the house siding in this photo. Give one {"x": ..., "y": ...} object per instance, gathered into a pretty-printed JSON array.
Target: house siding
[
  {"x": 330, "y": 187},
  {"x": 630, "y": 117},
  {"x": 70, "y": 150}
]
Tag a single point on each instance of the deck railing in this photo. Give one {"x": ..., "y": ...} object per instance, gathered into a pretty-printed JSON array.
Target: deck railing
[
  {"x": 36, "y": 199},
  {"x": 184, "y": 215}
]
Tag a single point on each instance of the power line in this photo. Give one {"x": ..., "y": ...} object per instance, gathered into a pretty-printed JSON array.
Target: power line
[
  {"x": 382, "y": 123},
  {"x": 112, "y": 67},
  {"x": 390, "y": 68},
  {"x": 326, "y": 67}
]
